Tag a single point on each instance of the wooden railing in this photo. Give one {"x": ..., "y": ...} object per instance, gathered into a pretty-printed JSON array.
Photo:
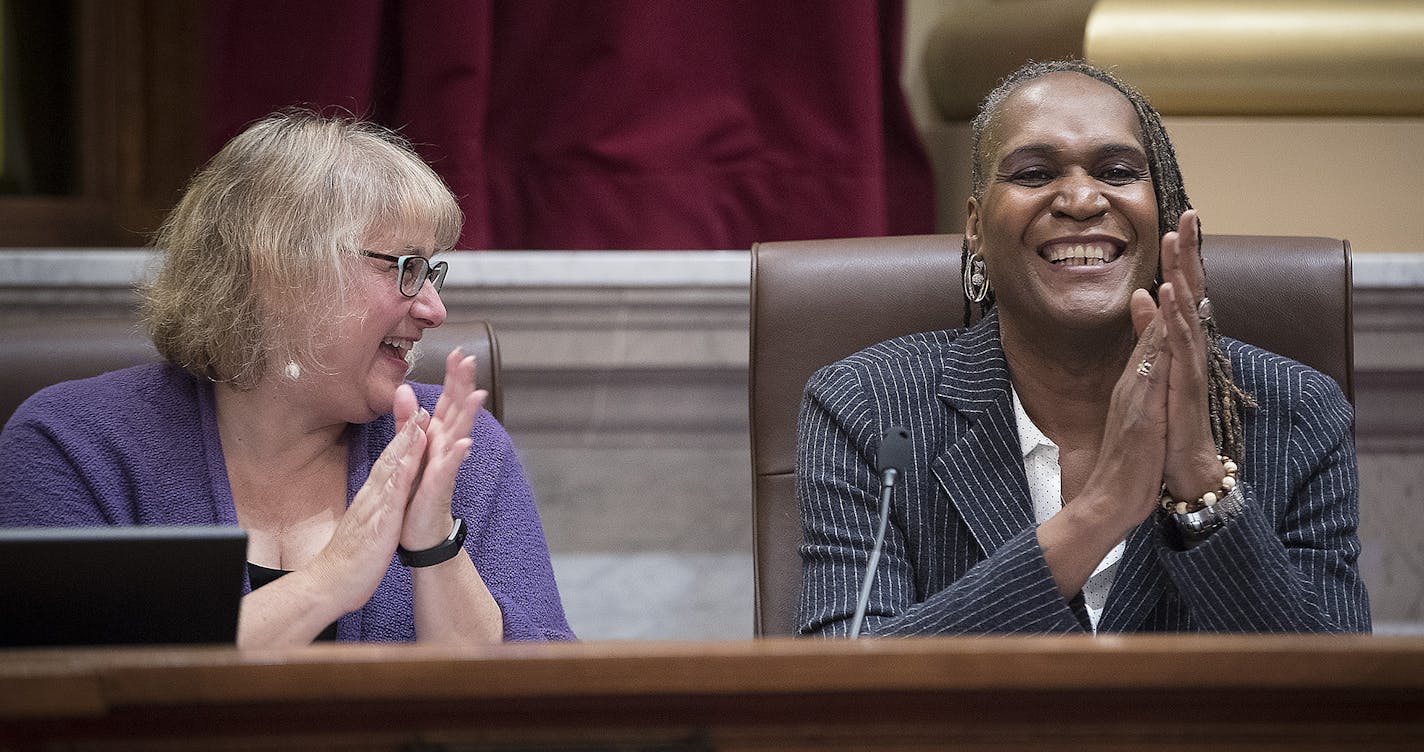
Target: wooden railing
[{"x": 1142, "y": 692}]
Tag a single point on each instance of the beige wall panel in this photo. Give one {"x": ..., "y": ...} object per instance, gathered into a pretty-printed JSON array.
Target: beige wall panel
[{"x": 1354, "y": 178}]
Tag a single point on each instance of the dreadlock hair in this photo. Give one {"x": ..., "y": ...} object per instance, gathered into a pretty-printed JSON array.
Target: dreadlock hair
[{"x": 1226, "y": 400}]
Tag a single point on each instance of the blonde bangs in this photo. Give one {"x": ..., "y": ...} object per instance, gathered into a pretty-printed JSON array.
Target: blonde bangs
[
  {"x": 415, "y": 199},
  {"x": 256, "y": 250}
]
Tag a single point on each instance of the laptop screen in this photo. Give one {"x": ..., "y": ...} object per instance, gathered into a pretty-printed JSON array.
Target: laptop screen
[{"x": 120, "y": 585}]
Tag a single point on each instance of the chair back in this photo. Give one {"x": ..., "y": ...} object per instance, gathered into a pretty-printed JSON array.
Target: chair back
[
  {"x": 475, "y": 337},
  {"x": 814, "y": 302},
  {"x": 38, "y": 352}
]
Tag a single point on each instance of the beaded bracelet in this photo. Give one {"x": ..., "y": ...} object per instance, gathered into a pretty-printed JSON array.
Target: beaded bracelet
[{"x": 1207, "y": 499}]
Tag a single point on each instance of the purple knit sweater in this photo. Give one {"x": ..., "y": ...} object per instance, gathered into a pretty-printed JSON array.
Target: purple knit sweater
[{"x": 140, "y": 446}]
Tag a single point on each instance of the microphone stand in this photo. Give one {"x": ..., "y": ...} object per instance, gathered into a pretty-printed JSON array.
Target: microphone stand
[{"x": 887, "y": 487}]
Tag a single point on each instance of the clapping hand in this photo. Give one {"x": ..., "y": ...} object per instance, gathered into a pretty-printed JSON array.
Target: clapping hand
[
  {"x": 428, "y": 520},
  {"x": 1191, "y": 467}
]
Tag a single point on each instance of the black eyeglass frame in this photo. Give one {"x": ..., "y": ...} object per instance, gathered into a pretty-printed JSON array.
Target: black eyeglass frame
[{"x": 434, "y": 273}]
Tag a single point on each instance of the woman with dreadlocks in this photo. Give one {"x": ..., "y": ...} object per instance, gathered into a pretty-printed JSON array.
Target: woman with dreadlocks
[{"x": 1091, "y": 456}]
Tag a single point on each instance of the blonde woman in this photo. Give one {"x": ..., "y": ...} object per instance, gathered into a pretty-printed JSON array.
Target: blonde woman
[{"x": 298, "y": 275}]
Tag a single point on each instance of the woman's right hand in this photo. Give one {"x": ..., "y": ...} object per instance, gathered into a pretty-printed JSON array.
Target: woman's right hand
[
  {"x": 1123, "y": 486},
  {"x": 360, "y": 550},
  {"x": 347, "y": 570},
  {"x": 1129, "y": 467}
]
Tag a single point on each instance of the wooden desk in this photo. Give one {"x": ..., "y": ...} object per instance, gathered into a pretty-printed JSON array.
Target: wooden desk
[{"x": 1179, "y": 693}]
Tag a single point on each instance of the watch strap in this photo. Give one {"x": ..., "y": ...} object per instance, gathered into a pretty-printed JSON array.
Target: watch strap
[{"x": 440, "y": 552}]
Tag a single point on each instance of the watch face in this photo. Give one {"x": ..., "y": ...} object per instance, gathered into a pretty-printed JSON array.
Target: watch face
[{"x": 1198, "y": 522}]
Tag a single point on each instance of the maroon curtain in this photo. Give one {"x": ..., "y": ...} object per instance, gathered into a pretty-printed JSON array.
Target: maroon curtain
[{"x": 583, "y": 124}]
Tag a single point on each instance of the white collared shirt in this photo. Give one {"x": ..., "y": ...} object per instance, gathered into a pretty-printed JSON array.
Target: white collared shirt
[{"x": 1045, "y": 488}]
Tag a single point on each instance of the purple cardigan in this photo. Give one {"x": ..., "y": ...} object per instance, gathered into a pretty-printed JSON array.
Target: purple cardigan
[{"x": 140, "y": 446}]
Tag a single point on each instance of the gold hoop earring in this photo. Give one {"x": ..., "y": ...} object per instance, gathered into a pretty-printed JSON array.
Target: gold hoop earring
[{"x": 976, "y": 279}]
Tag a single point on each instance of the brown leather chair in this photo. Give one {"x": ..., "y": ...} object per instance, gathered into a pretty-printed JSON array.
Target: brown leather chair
[
  {"x": 37, "y": 352},
  {"x": 815, "y": 302}
]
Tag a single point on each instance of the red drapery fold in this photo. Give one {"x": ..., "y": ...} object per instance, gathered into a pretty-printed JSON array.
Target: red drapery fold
[{"x": 588, "y": 124}]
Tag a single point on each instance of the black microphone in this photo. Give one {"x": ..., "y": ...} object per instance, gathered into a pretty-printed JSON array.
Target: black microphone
[{"x": 891, "y": 459}]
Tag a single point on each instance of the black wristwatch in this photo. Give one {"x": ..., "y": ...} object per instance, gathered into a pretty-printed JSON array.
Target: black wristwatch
[
  {"x": 443, "y": 551},
  {"x": 1197, "y": 526}
]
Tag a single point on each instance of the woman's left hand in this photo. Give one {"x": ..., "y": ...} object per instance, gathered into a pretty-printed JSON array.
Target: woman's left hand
[
  {"x": 1191, "y": 467},
  {"x": 452, "y": 603},
  {"x": 428, "y": 519}
]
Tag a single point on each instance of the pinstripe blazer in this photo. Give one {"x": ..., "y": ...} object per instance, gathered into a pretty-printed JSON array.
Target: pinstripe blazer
[{"x": 961, "y": 554}]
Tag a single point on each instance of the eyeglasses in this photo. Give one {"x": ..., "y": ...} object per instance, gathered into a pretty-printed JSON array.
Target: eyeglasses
[{"x": 412, "y": 271}]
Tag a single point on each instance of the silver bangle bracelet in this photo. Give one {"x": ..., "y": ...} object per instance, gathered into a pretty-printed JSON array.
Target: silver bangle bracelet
[{"x": 1197, "y": 526}]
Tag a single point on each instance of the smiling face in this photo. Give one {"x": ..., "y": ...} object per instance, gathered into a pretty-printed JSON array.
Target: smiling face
[
  {"x": 366, "y": 354},
  {"x": 1067, "y": 222}
]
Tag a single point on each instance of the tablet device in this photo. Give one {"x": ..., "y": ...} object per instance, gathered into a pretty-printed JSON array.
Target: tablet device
[{"x": 120, "y": 585}]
